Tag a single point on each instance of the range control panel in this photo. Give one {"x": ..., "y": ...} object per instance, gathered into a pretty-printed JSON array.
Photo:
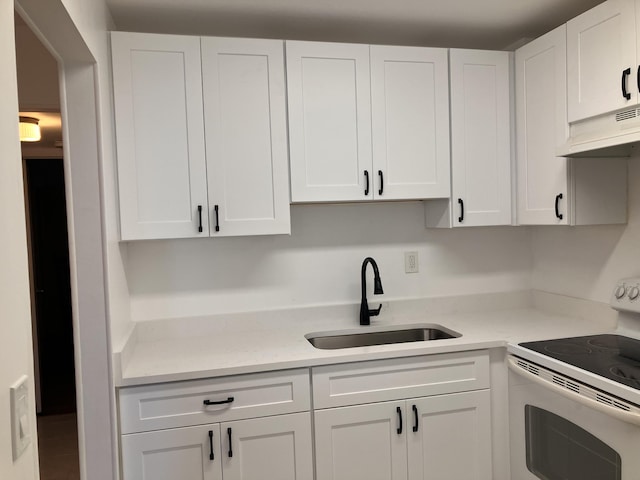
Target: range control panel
[{"x": 626, "y": 295}]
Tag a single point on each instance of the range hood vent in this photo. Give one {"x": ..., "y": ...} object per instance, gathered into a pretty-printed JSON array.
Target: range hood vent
[
  {"x": 612, "y": 135},
  {"x": 627, "y": 115}
]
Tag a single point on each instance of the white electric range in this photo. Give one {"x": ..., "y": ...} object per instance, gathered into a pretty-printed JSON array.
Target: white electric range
[{"x": 575, "y": 402}]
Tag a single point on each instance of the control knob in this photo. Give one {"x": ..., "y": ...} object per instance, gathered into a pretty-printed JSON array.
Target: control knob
[
  {"x": 634, "y": 292},
  {"x": 620, "y": 291}
]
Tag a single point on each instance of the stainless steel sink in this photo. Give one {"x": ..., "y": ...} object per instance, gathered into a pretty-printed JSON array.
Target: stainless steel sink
[{"x": 358, "y": 338}]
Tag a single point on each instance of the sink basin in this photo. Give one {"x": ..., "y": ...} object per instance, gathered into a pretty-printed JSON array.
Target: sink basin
[{"x": 358, "y": 338}]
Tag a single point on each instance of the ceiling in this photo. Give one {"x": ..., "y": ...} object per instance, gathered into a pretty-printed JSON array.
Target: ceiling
[{"x": 491, "y": 24}]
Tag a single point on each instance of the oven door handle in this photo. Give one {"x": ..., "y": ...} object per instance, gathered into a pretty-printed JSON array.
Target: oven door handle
[{"x": 629, "y": 417}]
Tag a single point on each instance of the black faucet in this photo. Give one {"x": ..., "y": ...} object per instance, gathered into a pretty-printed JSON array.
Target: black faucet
[{"x": 365, "y": 313}]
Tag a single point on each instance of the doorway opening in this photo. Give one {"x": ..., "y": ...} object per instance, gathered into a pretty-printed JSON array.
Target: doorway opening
[{"x": 48, "y": 246}]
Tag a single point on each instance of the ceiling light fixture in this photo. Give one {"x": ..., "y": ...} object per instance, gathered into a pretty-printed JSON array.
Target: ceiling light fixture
[{"x": 29, "y": 129}]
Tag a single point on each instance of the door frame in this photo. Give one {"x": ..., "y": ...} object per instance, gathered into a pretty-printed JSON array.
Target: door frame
[{"x": 81, "y": 111}]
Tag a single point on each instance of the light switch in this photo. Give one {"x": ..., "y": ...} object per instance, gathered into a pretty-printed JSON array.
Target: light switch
[{"x": 20, "y": 429}]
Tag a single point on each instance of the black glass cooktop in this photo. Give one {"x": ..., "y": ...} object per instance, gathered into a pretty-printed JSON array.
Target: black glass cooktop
[{"x": 611, "y": 356}]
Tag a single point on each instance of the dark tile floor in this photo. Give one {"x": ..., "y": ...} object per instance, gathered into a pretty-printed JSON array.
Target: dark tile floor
[{"x": 58, "y": 447}]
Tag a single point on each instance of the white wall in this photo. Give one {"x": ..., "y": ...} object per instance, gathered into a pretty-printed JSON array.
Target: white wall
[
  {"x": 320, "y": 263},
  {"x": 94, "y": 21},
  {"x": 585, "y": 262},
  {"x": 16, "y": 358}
]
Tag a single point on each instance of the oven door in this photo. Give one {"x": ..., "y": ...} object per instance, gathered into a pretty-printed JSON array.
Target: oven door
[{"x": 556, "y": 436}]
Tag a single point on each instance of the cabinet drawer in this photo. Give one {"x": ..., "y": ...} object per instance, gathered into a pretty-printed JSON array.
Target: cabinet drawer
[
  {"x": 382, "y": 380},
  {"x": 181, "y": 404}
]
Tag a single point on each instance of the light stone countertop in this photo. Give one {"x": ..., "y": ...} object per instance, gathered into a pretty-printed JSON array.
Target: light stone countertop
[{"x": 201, "y": 347}]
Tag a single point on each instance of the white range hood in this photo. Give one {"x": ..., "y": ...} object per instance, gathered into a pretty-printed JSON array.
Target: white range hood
[{"x": 615, "y": 134}]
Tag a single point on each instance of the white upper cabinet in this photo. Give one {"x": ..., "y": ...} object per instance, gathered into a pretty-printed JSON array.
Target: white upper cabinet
[
  {"x": 602, "y": 65},
  {"x": 160, "y": 138},
  {"x": 480, "y": 137},
  {"x": 339, "y": 94},
  {"x": 246, "y": 136},
  {"x": 410, "y": 121},
  {"x": 541, "y": 126},
  {"x": 329, "y": 121},
  {"x": 169, "y": 187},
  {"x": 554, "y": 190}
]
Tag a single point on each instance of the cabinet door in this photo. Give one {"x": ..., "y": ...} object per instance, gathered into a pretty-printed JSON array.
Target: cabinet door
[
  {"x": 157, "y": 85},
  {"x": 329, "y": 121},
  {"x": 361, "y": 442},
  {"x": 410, "y": 121},
  {"x": 453, "y": 437},
  {"x": 601, "y": 46},
  {"x": 541, "y": 128},
  {"x": 480, "y": 137},
  {"x": 183, "y": 453},
  {"x": 268, "y": 448},
  {"x": 246, "y": 136}
]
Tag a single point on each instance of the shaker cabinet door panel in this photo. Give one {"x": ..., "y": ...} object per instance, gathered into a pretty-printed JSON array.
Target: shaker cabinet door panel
[
  {"x": 410, "y": 122},
  {"x": 246, "y": 137},
  {"x": 276, "y": 447},
  {"x": 160, "y": 137},
  {"x": 179, "y": 453},
  {"x": 452, "y": 440},
  {"x": 601, "y": 46},
  {"x": 329, "y": 121},
  {"x": 541, "y": 128},
  {"x": 361, "y": 442},
  {"x": 481, "y": 137}
]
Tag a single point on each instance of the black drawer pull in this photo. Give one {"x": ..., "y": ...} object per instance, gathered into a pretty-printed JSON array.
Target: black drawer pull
[
  {"x": 230, "y": 447},
  {"x": 211, "y": 444},
  {"x": 399, "y": 411},
  {"x": 625, "y": 93},
  {"x": 200, "y": 218},
  {"x": 381, "y": 182},
  {"x": 415, "y": 417},
  {"x": 461, "y": 217},
  {"x": 221, "y": 402},
  {"x": 215, "y": 209},
  {"x": 366, "y": 176},
  {"x": 558, "y": 214}
]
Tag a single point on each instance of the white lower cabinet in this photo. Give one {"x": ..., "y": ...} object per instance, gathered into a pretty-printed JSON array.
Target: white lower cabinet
[
  {"x": 449, "y": 437},
  {"x": 244, "y": 427},
  {"x": 444, "y": 437},
  {"x": 419, "y": 418},
  {"x": 271, "y": 447},
  {"x": 360, "y": 443},
  {"x": 183, "y": 453}
]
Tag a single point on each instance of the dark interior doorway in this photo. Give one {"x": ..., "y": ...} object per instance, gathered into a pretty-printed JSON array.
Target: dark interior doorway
[{"x": 51, "y": 282}]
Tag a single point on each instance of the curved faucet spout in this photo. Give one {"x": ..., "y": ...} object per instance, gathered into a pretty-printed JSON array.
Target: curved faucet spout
[{"x": 365, "y": 313}]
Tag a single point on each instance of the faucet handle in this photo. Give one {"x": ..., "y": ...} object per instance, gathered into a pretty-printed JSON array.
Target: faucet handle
[{"x": 375, "y": 312}]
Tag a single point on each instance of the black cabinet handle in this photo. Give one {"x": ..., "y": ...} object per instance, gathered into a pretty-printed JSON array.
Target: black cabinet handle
[
  {"x": 399, "y": 412},
  {"x": 415, "y": 418},
  {"x": 625, "y": 74},
  {"x": 638, "y": 78},
  {"x": 366, "y": 176},
  {"x": 461, "y": 217},
  {"x": 215, "y": 209},
  {"x": 381, "y": 189},
  {"x": 230, "y": 447},
  {"x": 210, "y": 444},
  {"x": 200, "y": 218},
  {"x": 221, "y": 402},
  {"x": 558, "y": 214}
]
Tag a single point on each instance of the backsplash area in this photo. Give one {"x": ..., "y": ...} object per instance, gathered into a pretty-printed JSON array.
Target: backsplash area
[{"x": 320, "y": 263}]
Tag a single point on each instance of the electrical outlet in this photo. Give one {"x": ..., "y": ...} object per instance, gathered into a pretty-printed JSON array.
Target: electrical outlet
[{"x": 411, "y": 262}]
